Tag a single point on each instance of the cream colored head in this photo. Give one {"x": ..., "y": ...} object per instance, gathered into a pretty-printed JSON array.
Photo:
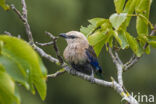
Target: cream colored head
[{"x": 74, "y": 37}]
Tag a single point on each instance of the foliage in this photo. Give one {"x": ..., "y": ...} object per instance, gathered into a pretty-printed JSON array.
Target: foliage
[
  {"x": 4, "y": 5},
  {"x": 102, "y": 31},
  {"x": 19, "y": 63}
]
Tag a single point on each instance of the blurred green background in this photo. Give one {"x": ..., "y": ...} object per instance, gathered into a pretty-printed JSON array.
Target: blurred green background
[{"x": 57, "y": 16}]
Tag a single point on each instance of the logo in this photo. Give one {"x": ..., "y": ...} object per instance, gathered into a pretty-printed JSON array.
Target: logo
[{"x": 143, "y": 98}]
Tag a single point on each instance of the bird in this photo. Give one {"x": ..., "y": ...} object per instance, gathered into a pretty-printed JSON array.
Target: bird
[{"x": 79, "y": 54}]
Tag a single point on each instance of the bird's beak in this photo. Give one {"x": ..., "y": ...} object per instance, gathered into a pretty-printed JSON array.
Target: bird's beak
[{"x": 63, "y": 35}]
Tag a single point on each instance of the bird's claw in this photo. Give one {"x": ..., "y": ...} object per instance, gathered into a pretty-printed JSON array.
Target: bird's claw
[
  {"x": 72, "y": 71},
  {"x": 92, "y": 80}
]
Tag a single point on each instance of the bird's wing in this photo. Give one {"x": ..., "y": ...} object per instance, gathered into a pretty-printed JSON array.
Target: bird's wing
[{"x": 92, "y": 59}]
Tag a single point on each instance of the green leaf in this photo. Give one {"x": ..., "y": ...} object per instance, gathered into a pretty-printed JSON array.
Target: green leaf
[
  {"x": 117, "y": 19},
  {"x": 143, "y": 9},
  {"x": 129, "y": 9},
  {"x": 111, "y": 42},
  {"x": 148, "y": 49},
  {"x": 120, "y": 36},
  {"x": 134, "y": 45},
  {"x": 43, "y": 68},
  {"x": 94, "y": 24},
  {"x": 98, "y": 39},
  {"x": 22, "y": 54},
  {"x": 4, "y": 5},
  {"x": 141, "y": 26},
  {"x": 143, "y": 40},
  {"x": 151, "y": 38},
  {"x": 15, "y": 70},
  {"x": 119, "y": 4},
  {"x": 7, "y": 88},
  {"x": 152, "y": 41},
  {"x": 142, "y": 21},
  {"x": 17, "y": 94},
  {"x": 130, "y": 6},
  {"x": 1, "y": 45}
]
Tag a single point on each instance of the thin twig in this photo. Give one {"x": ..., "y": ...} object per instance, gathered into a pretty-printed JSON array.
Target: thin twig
[
  {"x": 134, "y": 59},
  {"x": 45, "y": 44},
  {"x": 55, "y": 47},
  {"x": 153, "y": 31},
  {"x": 45, "y": 55},
  {"x": 118, "y": 58},
  {"x": 113, "y": 56},
  {"x": 117, "y": 61},
  {"x": 51, "y": 35},
  {"x": 8, "y": 33},
  {"x": 60, "y": 72},
  {"x": 27, "y": 26},
  {"x": 24, "y": 20},
  {"x": 17, "y": 12},
  {"x": 24, "y": 9}
]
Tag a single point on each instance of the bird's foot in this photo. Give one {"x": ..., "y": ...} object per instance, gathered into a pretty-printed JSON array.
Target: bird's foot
[
  {"x": 72, "y": 71},
  {"x": 92, "y": 80}
]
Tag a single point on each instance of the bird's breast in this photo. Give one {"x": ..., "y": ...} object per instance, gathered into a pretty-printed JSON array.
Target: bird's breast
[{"x": 75, "y": 54}]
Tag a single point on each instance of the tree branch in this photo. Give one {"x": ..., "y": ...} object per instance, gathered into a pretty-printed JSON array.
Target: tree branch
[
  {"x": 24, "y": 19},
  {"x": 45, "y": 55},
  {"x": 117, "y": 87},
  {"x": 119, "y": 66},
  {"x": 134, "y": 59}
]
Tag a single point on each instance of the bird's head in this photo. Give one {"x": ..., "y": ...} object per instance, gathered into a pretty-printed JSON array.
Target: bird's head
[{"x": 74, "y": 37}]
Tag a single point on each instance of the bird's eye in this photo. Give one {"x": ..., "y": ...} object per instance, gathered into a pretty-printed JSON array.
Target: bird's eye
[{"x": 72, "y": 37}]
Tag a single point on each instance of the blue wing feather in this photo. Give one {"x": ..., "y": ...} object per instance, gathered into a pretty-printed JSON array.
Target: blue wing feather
[{"x": 92, "y": 58}]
